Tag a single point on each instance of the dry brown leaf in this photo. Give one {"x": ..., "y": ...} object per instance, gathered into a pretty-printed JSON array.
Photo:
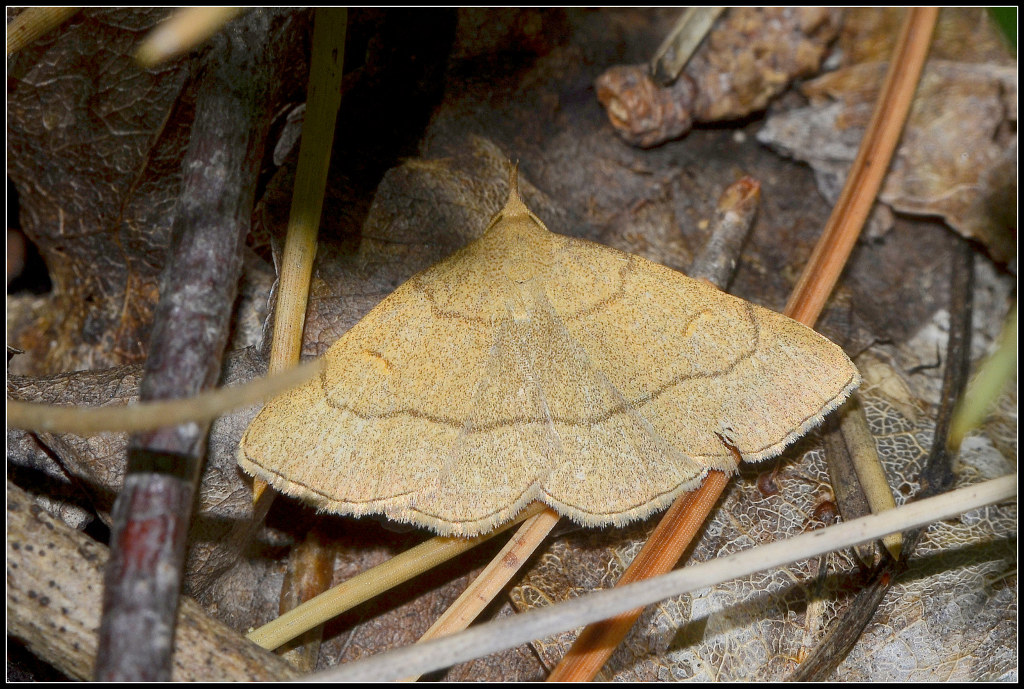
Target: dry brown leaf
[
  {"x": 95, "y": 145},
  {"x": 222, "y": 524},
  {"x": 958, "y": 153},
  {"x": 95, "y": 155},
  {"x": 963, "y": 34}
]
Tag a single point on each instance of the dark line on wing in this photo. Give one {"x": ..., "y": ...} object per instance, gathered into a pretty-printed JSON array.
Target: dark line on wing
[
  {"x": 385, "y": 508},
  {"x": 624, "y": 271},
  {"x": 517, "y": 420},
  {"x": 439, "y": 312}
]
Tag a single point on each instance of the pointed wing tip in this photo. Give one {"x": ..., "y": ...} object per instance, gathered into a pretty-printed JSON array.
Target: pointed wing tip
[{"x": 810, "y": 423}]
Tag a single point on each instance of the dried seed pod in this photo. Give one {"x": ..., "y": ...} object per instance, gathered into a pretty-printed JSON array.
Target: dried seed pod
[
  {"x": 643, "y": 113},
  {"x": 750, "y": 57}
]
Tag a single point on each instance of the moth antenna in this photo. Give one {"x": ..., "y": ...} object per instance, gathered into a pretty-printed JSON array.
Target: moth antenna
[
  {"x": 513, "y": 180},
  {"x": 514, "y": 205}
]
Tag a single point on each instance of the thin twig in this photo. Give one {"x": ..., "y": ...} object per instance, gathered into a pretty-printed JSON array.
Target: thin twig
[
  {"x": 691, "y": 28},
  {"x": 671, "y": 537},
  {"x": 737, "y": 206},
  {"x": 540, "y": 623},
  {"x": 33, "y": 23},
  {"x": 492, "y": 580},
  {"x": 833, "y": 249},
  {"x": 184, "y": 30},
  {"x": 846, "y": 488},
  {"x": 373, "y": 582},
  {"x": 322, "y": 102},
  {"x": 868, "y": 467},
  {"x": 868, "y": 169},
  {"x": 145, "y": 416},
  {"x": 309, "y": 573},
  {"x": 993, "y": 376},
  {"x": 234, "y": 108}
]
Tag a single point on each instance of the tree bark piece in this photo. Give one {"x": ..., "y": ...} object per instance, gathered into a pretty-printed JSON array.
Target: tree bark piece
[{"x": 54, "y": 580}]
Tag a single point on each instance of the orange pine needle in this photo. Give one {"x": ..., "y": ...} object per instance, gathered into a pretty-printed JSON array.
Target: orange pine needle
[
  {"x": 661, "y": 552},
  {"x": 597, "y": 642}
]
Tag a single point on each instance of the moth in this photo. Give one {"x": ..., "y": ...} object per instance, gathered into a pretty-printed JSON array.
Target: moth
[{"x": 534, "y": 366}]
